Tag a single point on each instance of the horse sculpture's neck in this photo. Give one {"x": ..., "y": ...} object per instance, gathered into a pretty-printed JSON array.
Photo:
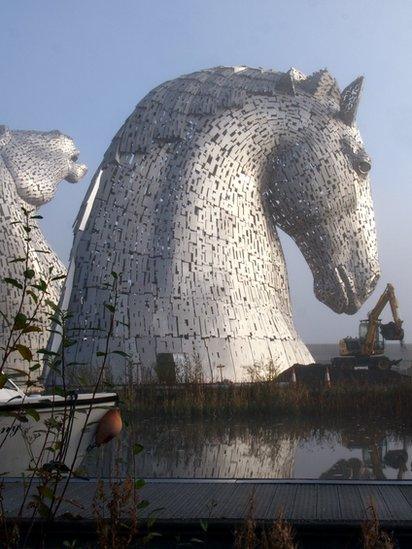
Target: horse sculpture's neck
[{"x": 217, "y": 198}]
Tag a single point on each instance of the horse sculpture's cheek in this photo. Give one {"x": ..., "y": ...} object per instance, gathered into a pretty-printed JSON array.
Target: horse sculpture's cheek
[{"x": 35, "y": 193}]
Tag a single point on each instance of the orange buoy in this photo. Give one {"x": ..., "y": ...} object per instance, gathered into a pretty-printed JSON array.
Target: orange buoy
[{"x": 109, "y": 427}]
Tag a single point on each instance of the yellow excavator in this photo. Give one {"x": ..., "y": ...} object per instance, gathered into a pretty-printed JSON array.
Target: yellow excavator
[{"x": 368, "y": 349}]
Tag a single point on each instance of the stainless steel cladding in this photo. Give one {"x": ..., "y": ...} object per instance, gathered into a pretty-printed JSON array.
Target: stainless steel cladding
[{"x": 186, "y": 204}]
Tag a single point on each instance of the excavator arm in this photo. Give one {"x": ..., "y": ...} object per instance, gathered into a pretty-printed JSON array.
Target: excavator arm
[
  {"x": 392, "y": 330},
  {"x": 393, "y": 302}
]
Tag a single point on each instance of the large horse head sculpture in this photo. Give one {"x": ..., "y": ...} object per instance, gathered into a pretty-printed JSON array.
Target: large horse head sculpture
[{"x": 186, "y": 204}]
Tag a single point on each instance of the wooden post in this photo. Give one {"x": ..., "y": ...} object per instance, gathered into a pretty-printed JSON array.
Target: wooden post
[{"x": 327, "y": 377}]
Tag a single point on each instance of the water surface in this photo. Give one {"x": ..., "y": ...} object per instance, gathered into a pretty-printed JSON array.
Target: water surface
[{"x": 352, "y": 449}]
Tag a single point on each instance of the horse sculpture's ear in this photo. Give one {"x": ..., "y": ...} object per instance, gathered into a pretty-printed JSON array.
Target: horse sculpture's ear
[
  {"x": 321, "y": 84},
  {"x": 5, "y": 136},
  {"x": 286, "y": 82},
  {"x": 349, "y": 101}
]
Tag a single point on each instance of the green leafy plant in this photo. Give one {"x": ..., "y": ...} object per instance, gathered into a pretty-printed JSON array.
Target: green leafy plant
[{"x": 46, "y": 482}]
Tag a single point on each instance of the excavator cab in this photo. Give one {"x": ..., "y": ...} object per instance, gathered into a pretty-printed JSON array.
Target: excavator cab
[
  {"x": 352, "y": 346},
  {"x": 379, "y": 343}
]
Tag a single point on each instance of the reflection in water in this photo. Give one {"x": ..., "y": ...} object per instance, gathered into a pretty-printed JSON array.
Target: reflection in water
[{"x": 256, "y": 449}]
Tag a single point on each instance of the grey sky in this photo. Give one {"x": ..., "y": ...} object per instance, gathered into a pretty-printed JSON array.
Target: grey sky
[{"x": 81, "y": 65}]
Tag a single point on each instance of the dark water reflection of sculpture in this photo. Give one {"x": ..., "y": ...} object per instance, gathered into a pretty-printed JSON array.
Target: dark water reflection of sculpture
[{"x": 258, "y": 449}]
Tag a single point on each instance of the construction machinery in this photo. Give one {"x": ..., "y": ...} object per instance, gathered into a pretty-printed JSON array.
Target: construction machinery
[{"x": 368, "y": 349}]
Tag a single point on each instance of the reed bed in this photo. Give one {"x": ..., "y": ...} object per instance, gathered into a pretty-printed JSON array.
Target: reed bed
[
  {"x": 373, "y": 537},
  {"x": 197, "y": 400}
]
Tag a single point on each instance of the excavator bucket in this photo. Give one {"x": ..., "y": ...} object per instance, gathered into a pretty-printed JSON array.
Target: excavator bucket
[{"x": 392, "y": 332}]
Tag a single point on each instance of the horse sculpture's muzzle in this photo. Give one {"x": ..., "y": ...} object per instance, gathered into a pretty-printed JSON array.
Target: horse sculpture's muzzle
[
  {"x": 343, "y": 292},
  {"x": 76, "y": 172}
]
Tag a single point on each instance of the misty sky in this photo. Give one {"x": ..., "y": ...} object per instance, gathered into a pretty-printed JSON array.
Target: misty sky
[{"x": 80, "y": 66}]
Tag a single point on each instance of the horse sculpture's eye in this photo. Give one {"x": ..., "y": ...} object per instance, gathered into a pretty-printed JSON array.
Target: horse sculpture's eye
[{"x": 362, "y": 166}]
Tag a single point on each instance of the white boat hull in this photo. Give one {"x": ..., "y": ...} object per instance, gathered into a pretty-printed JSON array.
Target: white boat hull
[{"x": 38, "y": 440}]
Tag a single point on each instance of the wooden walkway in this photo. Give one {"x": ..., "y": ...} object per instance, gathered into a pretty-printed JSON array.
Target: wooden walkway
[{"x": 229, "y": 501}]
